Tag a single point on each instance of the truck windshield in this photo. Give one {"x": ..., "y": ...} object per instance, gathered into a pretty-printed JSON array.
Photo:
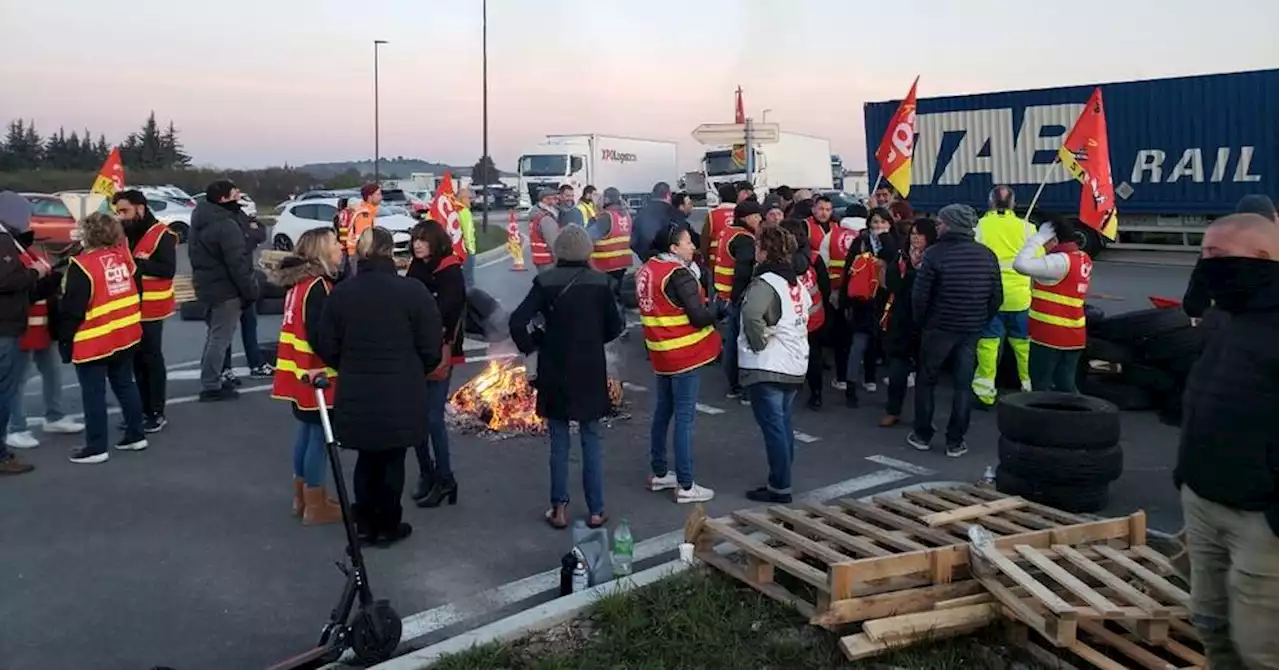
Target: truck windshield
[
  {"x": 544, "y": 166},
  {"x": 721, "y": 163}
]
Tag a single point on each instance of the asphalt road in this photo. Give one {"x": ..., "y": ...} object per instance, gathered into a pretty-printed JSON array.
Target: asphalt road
[{"x": 186, "y": 554}]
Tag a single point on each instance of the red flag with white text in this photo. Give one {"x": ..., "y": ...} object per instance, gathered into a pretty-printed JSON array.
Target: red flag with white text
[
  {"x": 111, "y": 177},
  {"x": 898, "y": 144},
  {"x": 1087, "y": 156},
  {"x": 444, "y": 210}
]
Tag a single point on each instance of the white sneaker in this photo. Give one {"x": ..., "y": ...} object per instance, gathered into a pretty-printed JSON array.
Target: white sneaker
[
  {"x": 64, "y": 426},
  {"x": 694, "y": 494},
  {"x": 21, "y": 440},
  {"x": 870, "y": 387},
  {"x": 911, "y": 380},
  {"x": 1026, "y": 387},
  {"x": 132, "y": 446},
  {"x": 838, "y": 385},
  {"x": 667, "y": 481}
]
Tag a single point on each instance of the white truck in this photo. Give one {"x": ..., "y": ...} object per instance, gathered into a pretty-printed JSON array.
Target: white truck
[
  {"x": 631, "y": 165},
  {"x": 795, "y": 160}
]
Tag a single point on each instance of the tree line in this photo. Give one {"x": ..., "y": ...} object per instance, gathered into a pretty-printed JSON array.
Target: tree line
[{"x": 149, "y": 148}]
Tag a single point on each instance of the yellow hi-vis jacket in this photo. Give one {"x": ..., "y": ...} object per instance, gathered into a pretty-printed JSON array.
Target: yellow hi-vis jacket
[{"x": 1004, "y": 233}]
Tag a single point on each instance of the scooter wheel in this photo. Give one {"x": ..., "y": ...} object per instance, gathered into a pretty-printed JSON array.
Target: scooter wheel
[{"x": 375, "y": 633}]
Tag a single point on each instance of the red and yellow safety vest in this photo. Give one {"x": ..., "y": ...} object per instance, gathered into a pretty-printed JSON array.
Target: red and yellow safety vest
[
  {"x": 720, "y": 218},
  {"x": 112, "y": 319},
  {"x": 157, "y": 292},
  {"x": 724, "y": 266},
  {"x": 817, "y": 315},
  {"x": 539, "y": 252},
  {"x": 343, "y": 227},
  {"x": 294, "y": 355},
  {"x": 361, "y": 220},
  {"x": 816, "y": 233},
  {"x": 674, "y": 344},
  {"x": 613, "y": 252},
  {"x": 1057, "y": 310},
  {"x": 838, "y": 247},
  {"x": 37, "y": 335}
]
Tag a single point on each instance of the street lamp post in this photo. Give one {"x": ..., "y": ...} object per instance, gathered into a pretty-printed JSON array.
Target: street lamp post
[
  {"x": 377, "y": 150},
  {"x": 484, "y": 114},
  {"x": 764, "y": 115}
]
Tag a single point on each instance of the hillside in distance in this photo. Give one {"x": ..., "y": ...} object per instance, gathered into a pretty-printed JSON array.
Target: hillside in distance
[{"x": 397, "y": 167}]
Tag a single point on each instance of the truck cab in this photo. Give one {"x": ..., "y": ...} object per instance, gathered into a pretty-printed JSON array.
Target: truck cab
[
  {"x": 550, "y": 166},
  {"x": 723, "y": 165}
]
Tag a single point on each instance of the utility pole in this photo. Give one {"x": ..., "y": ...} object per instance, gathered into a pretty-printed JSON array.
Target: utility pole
[
  {"x": 484, "y": 76},
  {"x": 377, "y": 150}
]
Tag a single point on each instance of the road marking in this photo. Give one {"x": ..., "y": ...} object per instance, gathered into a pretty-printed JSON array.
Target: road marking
[
  {"x": 805, "y": 437},
  {"x": 500, "y": 259},
  {"x": 633, "y": 387},
  {"x": 867, "y": 481},
  {"x": 489, "y": 357},
  {"x": 708, "y": 409},
  {"x": 902, "y": 465},
  {"x": 181, "y": 400}
]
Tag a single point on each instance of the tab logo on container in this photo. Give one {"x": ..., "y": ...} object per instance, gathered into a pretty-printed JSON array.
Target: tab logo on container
[{"x": 617, "y": 156}]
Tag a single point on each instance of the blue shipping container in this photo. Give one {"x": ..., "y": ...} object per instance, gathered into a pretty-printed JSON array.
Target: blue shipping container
[{"x": 1179, "y": 146}]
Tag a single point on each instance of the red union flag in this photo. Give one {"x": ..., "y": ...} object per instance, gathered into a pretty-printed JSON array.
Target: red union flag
[
  {"x": 1088, "y": 158},
  {"x": 444, "y": 211},
  {"x": 894, "y": 154},
  {"x": 111, "y": 177},
  {"x": 739, "y": 116}
]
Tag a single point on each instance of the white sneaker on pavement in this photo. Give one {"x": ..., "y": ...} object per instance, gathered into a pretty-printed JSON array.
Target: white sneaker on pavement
[
  {"x": 21, "y": 440},
  {"x": 667, "y": 481},
  {"x": 838, "y": 385},
  {"x": 869, "y": 387},
  {"x": 694, "y": 494},
  {"x": 911, "y": 380},
  {"x": 64, "y": 426}
]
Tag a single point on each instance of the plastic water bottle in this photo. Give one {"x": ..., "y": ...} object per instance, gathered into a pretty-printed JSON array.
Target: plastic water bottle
[
  {"x": 623, "y": 550},
  {"x": 989, "y": 476},
  {"x": 579, "y": 571}
]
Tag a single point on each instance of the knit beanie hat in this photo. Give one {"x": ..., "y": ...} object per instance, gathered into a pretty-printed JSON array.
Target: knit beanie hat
[
  {"x": 573, "y": 244},
  {"x": 959, "y": 219}
]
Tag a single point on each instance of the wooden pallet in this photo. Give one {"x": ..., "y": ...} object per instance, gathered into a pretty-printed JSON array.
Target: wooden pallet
[
  {"x": 1115, "y": 646},
  {"x": 845, "y": 561},
  {"x": 183, "y": 291},
  {"x": 1061, "y": 590}
]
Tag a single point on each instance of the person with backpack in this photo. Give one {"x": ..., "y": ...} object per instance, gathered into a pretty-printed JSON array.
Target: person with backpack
[
  {"x": 860, "y": 301},
  {"x": 834, "y": 250}
]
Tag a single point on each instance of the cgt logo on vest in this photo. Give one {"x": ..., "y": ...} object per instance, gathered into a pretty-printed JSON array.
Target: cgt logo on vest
[
  {"x": 616, "y": 156},
  {"x": 119, "y": 278}
]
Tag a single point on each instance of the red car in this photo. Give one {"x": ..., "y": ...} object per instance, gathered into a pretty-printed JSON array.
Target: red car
[{"x": 51, "y": 222}]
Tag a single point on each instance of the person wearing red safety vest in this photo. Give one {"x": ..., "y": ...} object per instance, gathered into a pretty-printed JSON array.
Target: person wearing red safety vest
[
  {"x": 718, "y": 218},
  {"x": 680, "y": 335},
  {"x": 308, "y": 274},
  {"x": 543, "y": 227},
  {"x": 735, "y": 262},
  {"x": 154, "y": 250},
  {"x": 811, "y": 272},
  {"x": 820, "y": 224},
  {"x": 99, "y": 328},
  {"x": 610, "y": 232},
  {"x": 835, "y": 251},
  {"x": 342, "y": 225},
  {"x": 1056, "y": 323}
]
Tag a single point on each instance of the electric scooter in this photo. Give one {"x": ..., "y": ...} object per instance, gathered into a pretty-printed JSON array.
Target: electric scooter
[{"x": 373, "y": 632}]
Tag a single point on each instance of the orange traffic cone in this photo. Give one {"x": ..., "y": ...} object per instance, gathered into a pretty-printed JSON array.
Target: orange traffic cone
[{"x": 514, "y": 245}]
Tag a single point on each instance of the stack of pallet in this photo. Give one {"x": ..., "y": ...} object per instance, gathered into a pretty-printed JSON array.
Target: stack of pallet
[{"x": 902, "y": 567}]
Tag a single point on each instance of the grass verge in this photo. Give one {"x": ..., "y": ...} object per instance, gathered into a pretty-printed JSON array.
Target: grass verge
[
  {"x": 704, "y": 620},
  {"x": 496, "y": 235}
]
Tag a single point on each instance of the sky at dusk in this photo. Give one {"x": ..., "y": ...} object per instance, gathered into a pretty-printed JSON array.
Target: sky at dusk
[{"x": 251, "y": 84}]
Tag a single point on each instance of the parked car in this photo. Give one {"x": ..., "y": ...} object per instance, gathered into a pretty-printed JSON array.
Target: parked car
[
  {"x": 401, "y": 198},
  {"x": 172, "y": 212},
  {"x": 302, "y": 215},
  {"x": 51, "y": 221}
]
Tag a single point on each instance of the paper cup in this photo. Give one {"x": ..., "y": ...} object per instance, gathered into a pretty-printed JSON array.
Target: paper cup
[{"x": 686, "y": 552}]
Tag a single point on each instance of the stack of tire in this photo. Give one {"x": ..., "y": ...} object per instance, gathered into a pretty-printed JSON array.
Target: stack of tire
[
  {"x": 1059, "y": 449},
  {"x": 1150, "y": 353}
]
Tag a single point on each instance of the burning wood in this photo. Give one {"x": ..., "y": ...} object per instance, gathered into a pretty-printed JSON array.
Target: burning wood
[{"x": 501, "y": 401}]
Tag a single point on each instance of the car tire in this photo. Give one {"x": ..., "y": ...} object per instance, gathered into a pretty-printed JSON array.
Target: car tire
[
  {"x": 266, "y": 288},
  {"x": 281, "y": 242},
  {"x": 1133, "y": 327},
  {"x": 1126, "y": 397},
  {"x": 180, "y": 229},
  {"x": 193, "y": 311},
  {"x": 1061, "y": 467},
  {"x": 1075, "y": 499},
  {"x": 1151, "y": 379},
  {"x": 1174, "y": 344},
  {"x": 269, "y": 306},
  {"x": 1089, "y": 240},
  {"x": 1059, "y": 420},
  {"x": 1098, "y": 349}
]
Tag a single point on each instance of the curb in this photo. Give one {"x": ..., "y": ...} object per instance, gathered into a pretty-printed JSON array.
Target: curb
[{"x": 535, "y": 619}]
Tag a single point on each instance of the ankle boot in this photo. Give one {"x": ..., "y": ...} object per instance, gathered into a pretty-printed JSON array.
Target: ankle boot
[
  {"x": 319, "y": 510},
  {"x": 298, "y": 502},
  {"x": 440, "y": 490},
  {"x": 423, "y": 488}
]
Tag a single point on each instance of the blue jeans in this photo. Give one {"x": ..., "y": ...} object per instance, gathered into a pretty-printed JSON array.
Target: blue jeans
[
  {"x": 309, "y": 458},
  {"x": 248, "y": 339},
  {"x": 1054, "y": 369},
  {"x": 592, "y": 463},
  {"x": 49, "y": 364},
  {"x": 729, "y": 336},
  {"x": 437, "y": 432},
  {"x": 469, "y": 271},
  {"x": 675, "y": 396},
  {"x": 771, "y": 405},
  {"x": 10, "y": 382},
  {"x": 116, "y": 371}
]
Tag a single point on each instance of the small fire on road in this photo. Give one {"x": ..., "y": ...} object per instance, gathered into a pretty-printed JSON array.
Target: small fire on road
[{"x": 500, "y": 400}]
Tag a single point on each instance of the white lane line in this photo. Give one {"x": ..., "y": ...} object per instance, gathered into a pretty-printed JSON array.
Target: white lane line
[
  {"x": 805, "y": 437},
  {"x": 472, "y": 345},
  {"x": 33, "y": 383},
  {"x": 489, "y": 357},
  {"x": 708, "y": 409},
  {"x": 628, "y": 386},
  {"x": 902, "y": 465},
  {"x": 500, "y": 259},
  {"x": 181, "y": 400},
  {"x": 432, "y": 620}
]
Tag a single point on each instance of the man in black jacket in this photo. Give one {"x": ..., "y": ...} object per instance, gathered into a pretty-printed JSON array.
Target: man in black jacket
[
  {"x": 16, "y": 282},
  {"x": 222, "y": 276},
  {"x": 653, "y": 217},
  {"x": 162, "y": 263},
  {"x": 956, "y": 293},
  {"x": 1227, "y": 453}
]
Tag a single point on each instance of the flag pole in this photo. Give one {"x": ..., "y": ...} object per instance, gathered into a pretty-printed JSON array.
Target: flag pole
[
  {"x": 1052, "y": 168},
  {"x": 879, "y": 178}
]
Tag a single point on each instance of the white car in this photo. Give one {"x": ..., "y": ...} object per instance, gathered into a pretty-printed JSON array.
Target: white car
[
  {"x": 173, "y": 192},
  {"x": 300, "y": 216},
  {"x": 173, "y": 213}
]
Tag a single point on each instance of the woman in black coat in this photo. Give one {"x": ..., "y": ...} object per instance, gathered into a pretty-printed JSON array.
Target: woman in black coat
[
  {"x": 901, "y": 334},
  {"x": 382, "y": 333},
  {"x": 580, "y": 316},
  {"x": 863, "y": 316},
  {"x": 435, "y": 265}
]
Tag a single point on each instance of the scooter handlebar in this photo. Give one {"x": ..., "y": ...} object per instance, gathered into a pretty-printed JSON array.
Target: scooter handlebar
[{"x": 320, "y": 382}]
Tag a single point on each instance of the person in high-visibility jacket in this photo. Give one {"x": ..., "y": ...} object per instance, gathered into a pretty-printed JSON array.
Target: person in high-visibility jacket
[
  {"x": 308, "y": 274},
  {"x": 610, "y": 232},
  {"x": 718, "y": 218},
  {"x": 362, "y": 219},
  {"x": 820, "y": 224},
  {"x": 100, "y": 326},
  {"x": 1005, "y": 234},
  {"x": 735, "y": 263},
  {"x": 154, "y": 249},
  {"x": 467, "y": 223},
  {"x": 1056, "y": 320},
  {"x": 680, "y": 335},
  {"x": 544, "y": 226},
  {"x": 587, "y": 205}
]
